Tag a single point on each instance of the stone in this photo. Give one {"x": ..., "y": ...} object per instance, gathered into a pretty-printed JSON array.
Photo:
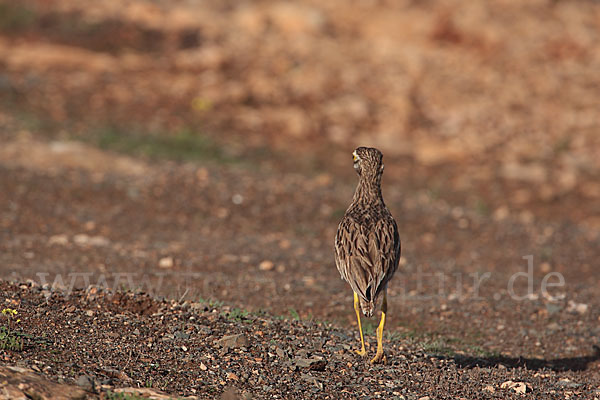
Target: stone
[
  {"x": 577, "y": 308},
  {"x": 313, "y": 363},
  {"x": 61, "y": 240},
  {"x": 23, "y": 383},
  {"x": 266, "y": 265},
  {"x": 519, "y": 387},
  {"x": 166, "y": 262},
  {"x": 85, "y": 382},
  {"x": 233, "y": 341}
]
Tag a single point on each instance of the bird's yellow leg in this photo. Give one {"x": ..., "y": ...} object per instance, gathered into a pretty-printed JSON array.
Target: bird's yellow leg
[
  {"x": 362, "y": 350},
  {"x": 379, "y": 356}
]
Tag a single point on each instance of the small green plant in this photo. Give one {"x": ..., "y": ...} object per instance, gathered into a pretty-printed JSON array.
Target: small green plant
[
  {"x": 368, "y": 328},
  {"x": 215, "y": 303},
  {"x": 210, "y": 302},
  {"x": 294, "y": 314},
  {"x": 10, "y": 339},
  {"x": 260, "y": 313},
  {"x": 124, "y": 396},
  {"x": 393, "y": 336},
  {"x": 479, "y": 351},
  {"x": 237, "y": 314},
  {"x": 130, "y": 396},
  {"x": 439, "y": 347}
]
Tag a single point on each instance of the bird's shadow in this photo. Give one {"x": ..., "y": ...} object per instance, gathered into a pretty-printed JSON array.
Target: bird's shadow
[{"x": 557, "y": 364}]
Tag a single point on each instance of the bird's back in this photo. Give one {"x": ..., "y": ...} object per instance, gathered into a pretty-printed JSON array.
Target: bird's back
[{"x": 367, "y": 249}]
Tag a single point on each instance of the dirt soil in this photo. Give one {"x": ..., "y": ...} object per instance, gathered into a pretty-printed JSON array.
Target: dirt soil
[
  {"x": 103, "y": 339},
  {"x": 172, "y": 174}
]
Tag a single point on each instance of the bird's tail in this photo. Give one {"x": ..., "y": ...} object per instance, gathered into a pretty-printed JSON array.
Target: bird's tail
[{"x": 367, "y": 307}]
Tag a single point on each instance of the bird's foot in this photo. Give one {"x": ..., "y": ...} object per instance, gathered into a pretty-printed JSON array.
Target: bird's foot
[
  {"x": 362, "y": 352},
  {"x": 379, "y": 358}
]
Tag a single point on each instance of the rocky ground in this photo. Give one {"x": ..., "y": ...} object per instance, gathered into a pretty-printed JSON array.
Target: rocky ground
[
  {"x": 166, "y": 183},
  {"x": 102, "y": 340},
  {"x": 232, "y": 247}
]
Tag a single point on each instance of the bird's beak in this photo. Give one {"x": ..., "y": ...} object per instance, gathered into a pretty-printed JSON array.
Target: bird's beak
[{"x": 354, "y": 156}]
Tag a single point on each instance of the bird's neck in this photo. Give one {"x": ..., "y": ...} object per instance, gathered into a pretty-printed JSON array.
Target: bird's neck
[{"x": 368, "y": 191}]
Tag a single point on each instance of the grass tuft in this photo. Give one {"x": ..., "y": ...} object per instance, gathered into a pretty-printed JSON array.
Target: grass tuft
[
  {"x": 10, "y": 339},
  {"x": 438, "y": 347},
  {"x": 185, "y": 145},
  {"x": 125, "y": 396},
  {"x": 237, "y": 314},
  {"x": 294, "y": 314},
  {"x": 369, "y": 327}
]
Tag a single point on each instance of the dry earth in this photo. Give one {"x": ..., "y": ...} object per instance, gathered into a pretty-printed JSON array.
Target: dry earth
[
  {"x": 248, "y": 238},
  {"x": 239, "y": 119},
  {"x": 102, "y": 340}
]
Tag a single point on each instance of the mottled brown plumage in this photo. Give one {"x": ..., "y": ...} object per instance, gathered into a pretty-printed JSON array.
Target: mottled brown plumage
[{"x": 367, "y": 244}]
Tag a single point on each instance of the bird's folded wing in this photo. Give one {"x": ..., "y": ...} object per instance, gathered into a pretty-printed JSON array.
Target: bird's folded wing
[{"x": 367, "y": 256}]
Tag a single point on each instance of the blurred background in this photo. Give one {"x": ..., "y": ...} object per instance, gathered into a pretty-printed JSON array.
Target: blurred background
[
  {"x": 205, "y": 135},
  {"x": 502, "y": 94}
]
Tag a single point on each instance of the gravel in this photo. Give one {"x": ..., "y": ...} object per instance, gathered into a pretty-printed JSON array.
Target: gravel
[{"x": 259, "y": 356}]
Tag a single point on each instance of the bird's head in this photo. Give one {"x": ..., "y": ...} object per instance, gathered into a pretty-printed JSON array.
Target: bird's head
[{"x": 368, "y": 162}]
